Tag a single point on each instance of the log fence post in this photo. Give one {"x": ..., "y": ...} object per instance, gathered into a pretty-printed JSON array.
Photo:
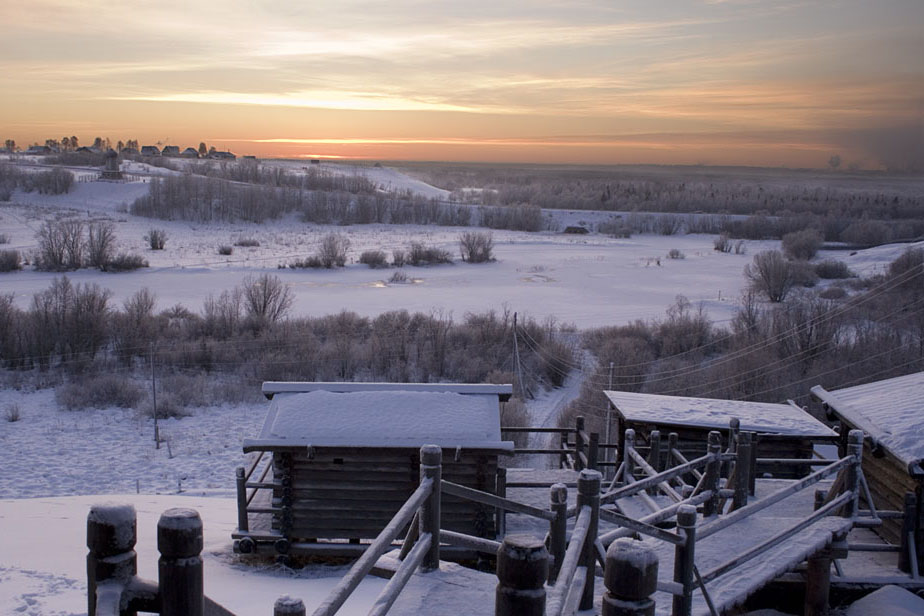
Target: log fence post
[
  {"x": 500, "y": 514},
  {"x": 522, "y": 569},
  {"x": 734, "y": 429},
  {"x": 654, "y": 455},
  {"x": 817, "y": 584},
  {"x": 593, "y": 451},
  {"x": 712, "y": 472},
  {"x": 242, "y": 522},
  {"x": 179, "y": 541},
  {"x": 558, "y": 528},
  {"x": 752, "y": 480},
  {"x": 563, "y": 445},
  {"x": 631, "y": 579},
  {"x": 288, "y": 606},
  {"x": 431, "y": 459},
  {"x": 578, "y": 442},
  {"x": 683, "y": 560},
  {"x": 589, "y": 494},
  {"x": 111, "y": 535},
  {"x": 672, "y": 439},
  {"x": 742, "y": 470},
  {"x": 910, "y": 511},
  {"x": 852, "y": 477},
  {"x": 627, "y": 459}
]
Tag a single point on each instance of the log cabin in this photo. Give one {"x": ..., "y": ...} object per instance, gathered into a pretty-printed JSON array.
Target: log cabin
[
  {"x": 783, "y": 431},
  {"x": 345, "y": 458},
  {"x": 891, "y": 415}
]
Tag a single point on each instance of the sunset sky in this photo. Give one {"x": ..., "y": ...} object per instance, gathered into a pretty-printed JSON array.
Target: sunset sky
[{"x": 694, "y": 82}]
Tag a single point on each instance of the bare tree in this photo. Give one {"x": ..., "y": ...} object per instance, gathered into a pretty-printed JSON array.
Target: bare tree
[
  {"x": 333, "y": 250},
  {"x": 100, "y": 244},
  {"x": 266, "y": 298},
  {"x": 771, "y": 274}
]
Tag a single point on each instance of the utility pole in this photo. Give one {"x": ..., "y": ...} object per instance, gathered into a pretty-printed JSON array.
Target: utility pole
[
  {"x": 609, "y": 419},
  {"x": 516, "y": 358},
  {"x": 154, "y": 400}
]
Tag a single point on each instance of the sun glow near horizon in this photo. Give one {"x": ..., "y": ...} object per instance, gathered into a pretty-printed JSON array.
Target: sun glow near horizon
[{"x": 736, "y": 82}]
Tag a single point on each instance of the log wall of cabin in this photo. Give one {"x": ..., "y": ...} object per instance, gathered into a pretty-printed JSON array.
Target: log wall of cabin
[
  {"x": 353, "y": 493},
  {"x": 888, "y": 481}
]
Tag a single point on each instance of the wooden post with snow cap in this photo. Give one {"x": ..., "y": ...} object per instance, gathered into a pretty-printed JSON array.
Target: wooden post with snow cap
[
  {"x": 500, "y": 514},
  {"x": 179, "y": 541},
  {"x": 431, "y": 460},
  {"x": 558, "y": 528},
  {"x": 631, "y": 579},
  {"x": 684, "y": 555},
  {"x": 712, "y": 472},
  {"x": 817, "y": 584},
  {"x": 628, "y": 462},
  {"x": 288, "y": 606},
  {"x": 111, "y": 534},
  {"x": 522, "y": 569},
  {"x": 852, "y": 472},
  {"x": 589, "y": 494}
]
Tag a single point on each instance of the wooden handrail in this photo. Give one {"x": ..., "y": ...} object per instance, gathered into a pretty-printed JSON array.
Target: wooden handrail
[
  {"x": 338, "y": 595},
  {"x": 400, "y": 579},
  {"x": 775, "y": 497},
  {"x": 495, "y": 501}
]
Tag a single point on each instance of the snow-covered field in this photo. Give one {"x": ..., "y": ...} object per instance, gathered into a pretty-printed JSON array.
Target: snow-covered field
[{"x": 54, "y": 461}]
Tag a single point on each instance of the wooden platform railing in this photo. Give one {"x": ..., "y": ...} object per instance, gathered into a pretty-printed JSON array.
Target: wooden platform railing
[
  {"x": 114, "y": 589},
  {"x": 577, "y": 449},
  {"x": 424, "y": 507}
]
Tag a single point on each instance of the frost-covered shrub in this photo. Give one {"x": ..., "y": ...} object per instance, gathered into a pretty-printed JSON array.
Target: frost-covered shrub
[
  {"x": 418, "y": 255},
  {"x": 477, "y": 247},
  {"x": 100, "y": 244},
  {"x": 398, "y": 277},
  {"x": 832, "y": 269},
  {"x": 60, "y": 245},
  {"x": 12, "y": 413},
  {"x": 247, "y": 242},
  {"x": 10, "y": 261},
  {"x": 722, "y": 243},
  {"x": 225, "y": 250},
  {"x": 125, "y": 262},
  {"x": 867, "y": 233},
  {"x": 802, "y": 245},
  {"x": 771, "y": 274},
  {"x": 375, "y": 259},
  {"x": 398, "y": 258},
  {"x": 156, "y": 239},
  {"x": 333, "y": 250},
  {"x": 101, "y": 391},
  {"x": 833, "y": 293},
  {"x": 675, "y": 253}
]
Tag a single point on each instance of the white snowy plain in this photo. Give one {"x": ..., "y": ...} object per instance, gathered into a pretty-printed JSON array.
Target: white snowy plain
[{"x": 57, "y": 463}]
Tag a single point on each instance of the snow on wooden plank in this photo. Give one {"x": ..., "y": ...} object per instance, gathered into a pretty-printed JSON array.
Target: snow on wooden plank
[
  {"x": 889, "y": 411},
  {"x": 763, "y": 417},
  {"x": 382, "y": 419},
  {"x": 449, "y": 591},
  {"x": 271, "y": 388},
  {"x": 734, "y": 587}
]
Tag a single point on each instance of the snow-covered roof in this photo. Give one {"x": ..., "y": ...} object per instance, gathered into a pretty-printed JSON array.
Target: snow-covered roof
[
  {"x": 762, "y": 417},
  {"x": 271, "y": 388},
  {"x": 382, "y": 418},
  {"x": 889, "y": 411}
]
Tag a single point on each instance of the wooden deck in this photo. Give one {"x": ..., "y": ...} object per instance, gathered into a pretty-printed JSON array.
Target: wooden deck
[{"x": 459, "y": 589}]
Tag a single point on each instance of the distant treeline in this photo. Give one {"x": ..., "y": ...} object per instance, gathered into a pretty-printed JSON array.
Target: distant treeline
[
  {"x": 831, "y": 203},
  {"x": 245, "y": 332},
  {"x": 201, "y": 199},
  {"x": 51, "y": 182},
  {"x": 767, "y": 352}
]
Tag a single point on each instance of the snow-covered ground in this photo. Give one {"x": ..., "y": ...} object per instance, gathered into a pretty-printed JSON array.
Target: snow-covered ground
[{"x": 53, "y": 459}]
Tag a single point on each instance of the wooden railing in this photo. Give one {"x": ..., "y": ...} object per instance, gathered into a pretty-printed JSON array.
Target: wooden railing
[
  {"x": 112, "y": 586},
  {"x": 577, "y": 449}
]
